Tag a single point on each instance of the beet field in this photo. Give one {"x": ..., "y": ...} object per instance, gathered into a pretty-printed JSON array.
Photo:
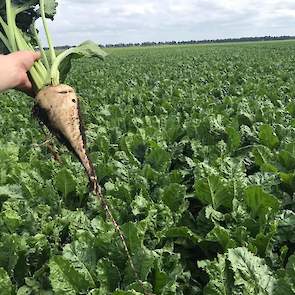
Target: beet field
[{"x": 194, "y": 147}]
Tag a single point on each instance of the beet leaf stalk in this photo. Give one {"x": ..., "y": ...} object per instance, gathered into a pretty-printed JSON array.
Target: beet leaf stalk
[{"x": 57, "y": 104}]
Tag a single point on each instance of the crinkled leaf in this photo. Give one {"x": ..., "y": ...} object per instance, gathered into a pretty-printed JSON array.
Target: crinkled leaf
[
  {"x": 222, "y": 236},
  {"x": 267, "y": 136},
  {"x": 5, "y": 283},
  {"x": 143, "y": 258},
  {"x": 65, "y": 279},
  {"x": 290, "y": 269},
  {"x": 131, "y": 232},
  {"x": 238, "y": 272},
  {"x": 286, "y": 227},
  {"x": 214, "y": 215},
  {"x": 234, "y": 137},
  {"x": 139, "y": 205},
  {"x": 287, "y": 156},
  {"x": 24, "y": 290},
  {"x": 174, "y": 196},
  {"x": 134, "y": 146},
  {"x": 141, "y": 287},
  {"x": 11, "y": 191},
  {"x": 182, "y": 232},
  {"x": 161, "y": 279},
  {"x": 159, "y": 159},
  {"x": 167, "y": 273},
  {"x": 11, "y": 219},
  {"x": 251, "y": 272},
  {"x": 11, "y": 247},
  {"x": 108, "y": 276},
  {"x": 65, "y": 182},
  {"x": 289, "y": 181},
  {"x": 213, "y": 190},
  {"x": 261, "y": 203},
  {"x": 50, "y": 8},
  {"x": 82, "y": 258},
  {"x": 264, "y": 158},
  {"x": 221, "y": 280},
  {"x": 285, "y": 283}
]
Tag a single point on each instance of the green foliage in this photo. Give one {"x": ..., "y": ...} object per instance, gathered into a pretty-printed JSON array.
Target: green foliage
[
  {"x": 212, "y": 190},
  {"x": 194, "y": 147},
  {"x": 267, "y": 137},
  {"x": 238, "y": 271},
  {"x": 5, "y": 283},
  {"x": 65, "y": 182},
  {"x": 260, "y": 203}
]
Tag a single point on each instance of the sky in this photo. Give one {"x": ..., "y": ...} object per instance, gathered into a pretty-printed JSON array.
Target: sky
[{"x": 124, "y": 21}]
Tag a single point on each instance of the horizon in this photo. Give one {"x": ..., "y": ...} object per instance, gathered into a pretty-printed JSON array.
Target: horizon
[
  {"x": 153, "y": 21},
  {"x": 204, "y": 41}
]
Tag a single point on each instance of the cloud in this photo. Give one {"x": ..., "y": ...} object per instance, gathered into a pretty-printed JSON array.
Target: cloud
[{"x": 154, "y": 20}]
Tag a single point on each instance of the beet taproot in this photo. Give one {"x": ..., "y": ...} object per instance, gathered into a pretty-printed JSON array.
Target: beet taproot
[{"x": 59, "y": 109}]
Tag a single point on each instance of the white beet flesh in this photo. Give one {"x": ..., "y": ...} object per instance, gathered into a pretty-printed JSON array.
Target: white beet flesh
[{"x": 62, "y": 108}]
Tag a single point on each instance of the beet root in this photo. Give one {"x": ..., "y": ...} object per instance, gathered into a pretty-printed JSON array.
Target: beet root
[{"x": 59, "y": 109}]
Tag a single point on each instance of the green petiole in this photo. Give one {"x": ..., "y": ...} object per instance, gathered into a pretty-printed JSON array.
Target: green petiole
[{"x": 48, "y": 36}]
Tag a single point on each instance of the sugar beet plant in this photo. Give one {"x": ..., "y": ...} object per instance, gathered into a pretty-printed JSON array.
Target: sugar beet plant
[{"x": 57, "y": 104}]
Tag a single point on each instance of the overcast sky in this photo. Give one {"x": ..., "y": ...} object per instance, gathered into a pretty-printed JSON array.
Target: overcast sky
[{"x": 116, "y": 21}]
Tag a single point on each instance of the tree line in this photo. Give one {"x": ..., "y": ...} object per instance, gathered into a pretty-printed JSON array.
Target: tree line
[{"x": 206, "y": 41}]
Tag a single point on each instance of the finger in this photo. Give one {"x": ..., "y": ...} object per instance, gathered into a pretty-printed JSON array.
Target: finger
[
  {"x": 26, "y": 87},
  {"x": 36, "y": 56},
  {"x": 28, "y": 58},
  {"x": 25, "y": 58}
]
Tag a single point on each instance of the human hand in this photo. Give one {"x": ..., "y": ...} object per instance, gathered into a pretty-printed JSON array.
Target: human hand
[{"x": 14, "y": 68}]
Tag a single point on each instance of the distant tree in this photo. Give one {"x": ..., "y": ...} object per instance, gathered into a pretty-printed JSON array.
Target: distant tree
[{"x": 226, "y": 40}]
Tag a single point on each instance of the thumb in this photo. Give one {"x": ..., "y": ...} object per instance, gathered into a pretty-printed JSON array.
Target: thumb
[{"x": 28, "y": 58}]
